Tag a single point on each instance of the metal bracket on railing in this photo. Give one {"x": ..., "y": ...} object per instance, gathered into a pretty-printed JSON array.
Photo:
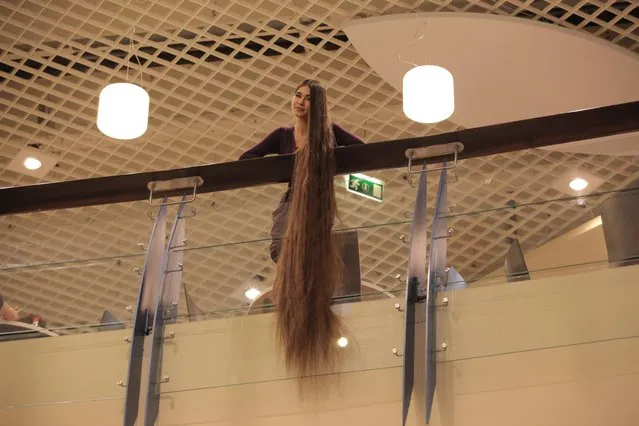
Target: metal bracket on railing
[
  {"x": 193, "y": 213},
  {"x": 181, "y": 246},
  {"x": 453, "y": 148},
  {"x": 443, "y": 304},
  {"x": 174, "y": 185},
  {"x": 180, "y": 268},
  {"x": 443, "y": 346}
]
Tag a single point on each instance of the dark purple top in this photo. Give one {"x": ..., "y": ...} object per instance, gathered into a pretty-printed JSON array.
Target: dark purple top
[{"x": 282, "y": 141}]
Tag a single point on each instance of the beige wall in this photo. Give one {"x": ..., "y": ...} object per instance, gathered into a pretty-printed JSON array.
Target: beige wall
[
  {"x": 583, "y": 248},
  {"x": 579, "y": 250},
  {"x": 63, "y": 380},
  {"x": 561, "y": 351}
]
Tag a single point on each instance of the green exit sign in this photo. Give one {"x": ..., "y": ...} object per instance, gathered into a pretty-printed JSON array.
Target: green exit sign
[{"x": 366, "y": 186}]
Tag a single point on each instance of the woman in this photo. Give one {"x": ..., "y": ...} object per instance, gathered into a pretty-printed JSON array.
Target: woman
[
  {"x": 289, "y": 139},
  {"x": 308, "y": 264}
]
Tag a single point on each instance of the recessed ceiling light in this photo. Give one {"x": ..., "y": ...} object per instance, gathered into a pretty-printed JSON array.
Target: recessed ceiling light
[
  {"x": 342, "y": 342},
  {"x": 32, "y": 163},
  {"x": 578, "y": 184},
  {"x": 252, "y": 293}
]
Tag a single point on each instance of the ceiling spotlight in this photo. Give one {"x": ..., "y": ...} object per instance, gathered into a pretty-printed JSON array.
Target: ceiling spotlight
[
  {"x": 342, "y": 342},
  {"x": 32, "y": 163},
  {"x": 578, "y": 184},
  {"x": 252, "y": 293}
]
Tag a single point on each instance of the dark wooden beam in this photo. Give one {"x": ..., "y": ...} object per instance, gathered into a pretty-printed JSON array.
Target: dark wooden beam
[{"x": 495, "y": 139}]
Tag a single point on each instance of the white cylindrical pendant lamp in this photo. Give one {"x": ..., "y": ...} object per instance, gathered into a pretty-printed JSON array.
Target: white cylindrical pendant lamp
[
  {"x": 123, "y": 111},
  {"x": 428, "y": 94}
]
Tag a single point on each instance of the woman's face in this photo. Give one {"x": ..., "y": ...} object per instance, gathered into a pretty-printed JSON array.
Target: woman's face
[{"x": 301, "y": 102}]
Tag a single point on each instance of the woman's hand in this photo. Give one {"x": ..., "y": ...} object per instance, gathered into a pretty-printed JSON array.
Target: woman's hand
[{"x": 8, "y": 313}]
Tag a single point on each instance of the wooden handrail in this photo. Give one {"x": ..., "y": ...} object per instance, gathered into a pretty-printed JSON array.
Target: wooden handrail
[{"x": 488, "y": 140}]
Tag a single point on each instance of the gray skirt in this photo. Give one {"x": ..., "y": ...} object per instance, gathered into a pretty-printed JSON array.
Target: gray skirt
[
  {"x": 348, "y": 245},
  {"x": 280, "y": 216}
]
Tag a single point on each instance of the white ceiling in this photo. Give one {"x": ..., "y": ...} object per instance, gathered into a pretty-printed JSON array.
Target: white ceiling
[
  {"x": 626, "y": 144},
  {"x": 220, "y": 75},
  {"x": 505, "y": 68}
]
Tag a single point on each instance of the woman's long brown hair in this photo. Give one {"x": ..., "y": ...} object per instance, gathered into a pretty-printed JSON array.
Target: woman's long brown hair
[{"x": 309, "y": 266}]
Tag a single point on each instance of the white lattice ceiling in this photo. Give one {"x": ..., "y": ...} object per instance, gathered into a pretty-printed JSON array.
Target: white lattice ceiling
[{"x": 220, "y": 75}]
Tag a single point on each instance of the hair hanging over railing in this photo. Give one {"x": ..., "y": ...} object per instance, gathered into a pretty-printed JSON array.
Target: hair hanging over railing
[{"x": 309, "y": 266}]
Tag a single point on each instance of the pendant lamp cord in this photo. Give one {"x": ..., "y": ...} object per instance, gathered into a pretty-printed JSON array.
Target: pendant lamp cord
[
  {"x": 137, "y": 58},
  {"x": 129, "y": 57},
  {"x": 419, "y": 35}
]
